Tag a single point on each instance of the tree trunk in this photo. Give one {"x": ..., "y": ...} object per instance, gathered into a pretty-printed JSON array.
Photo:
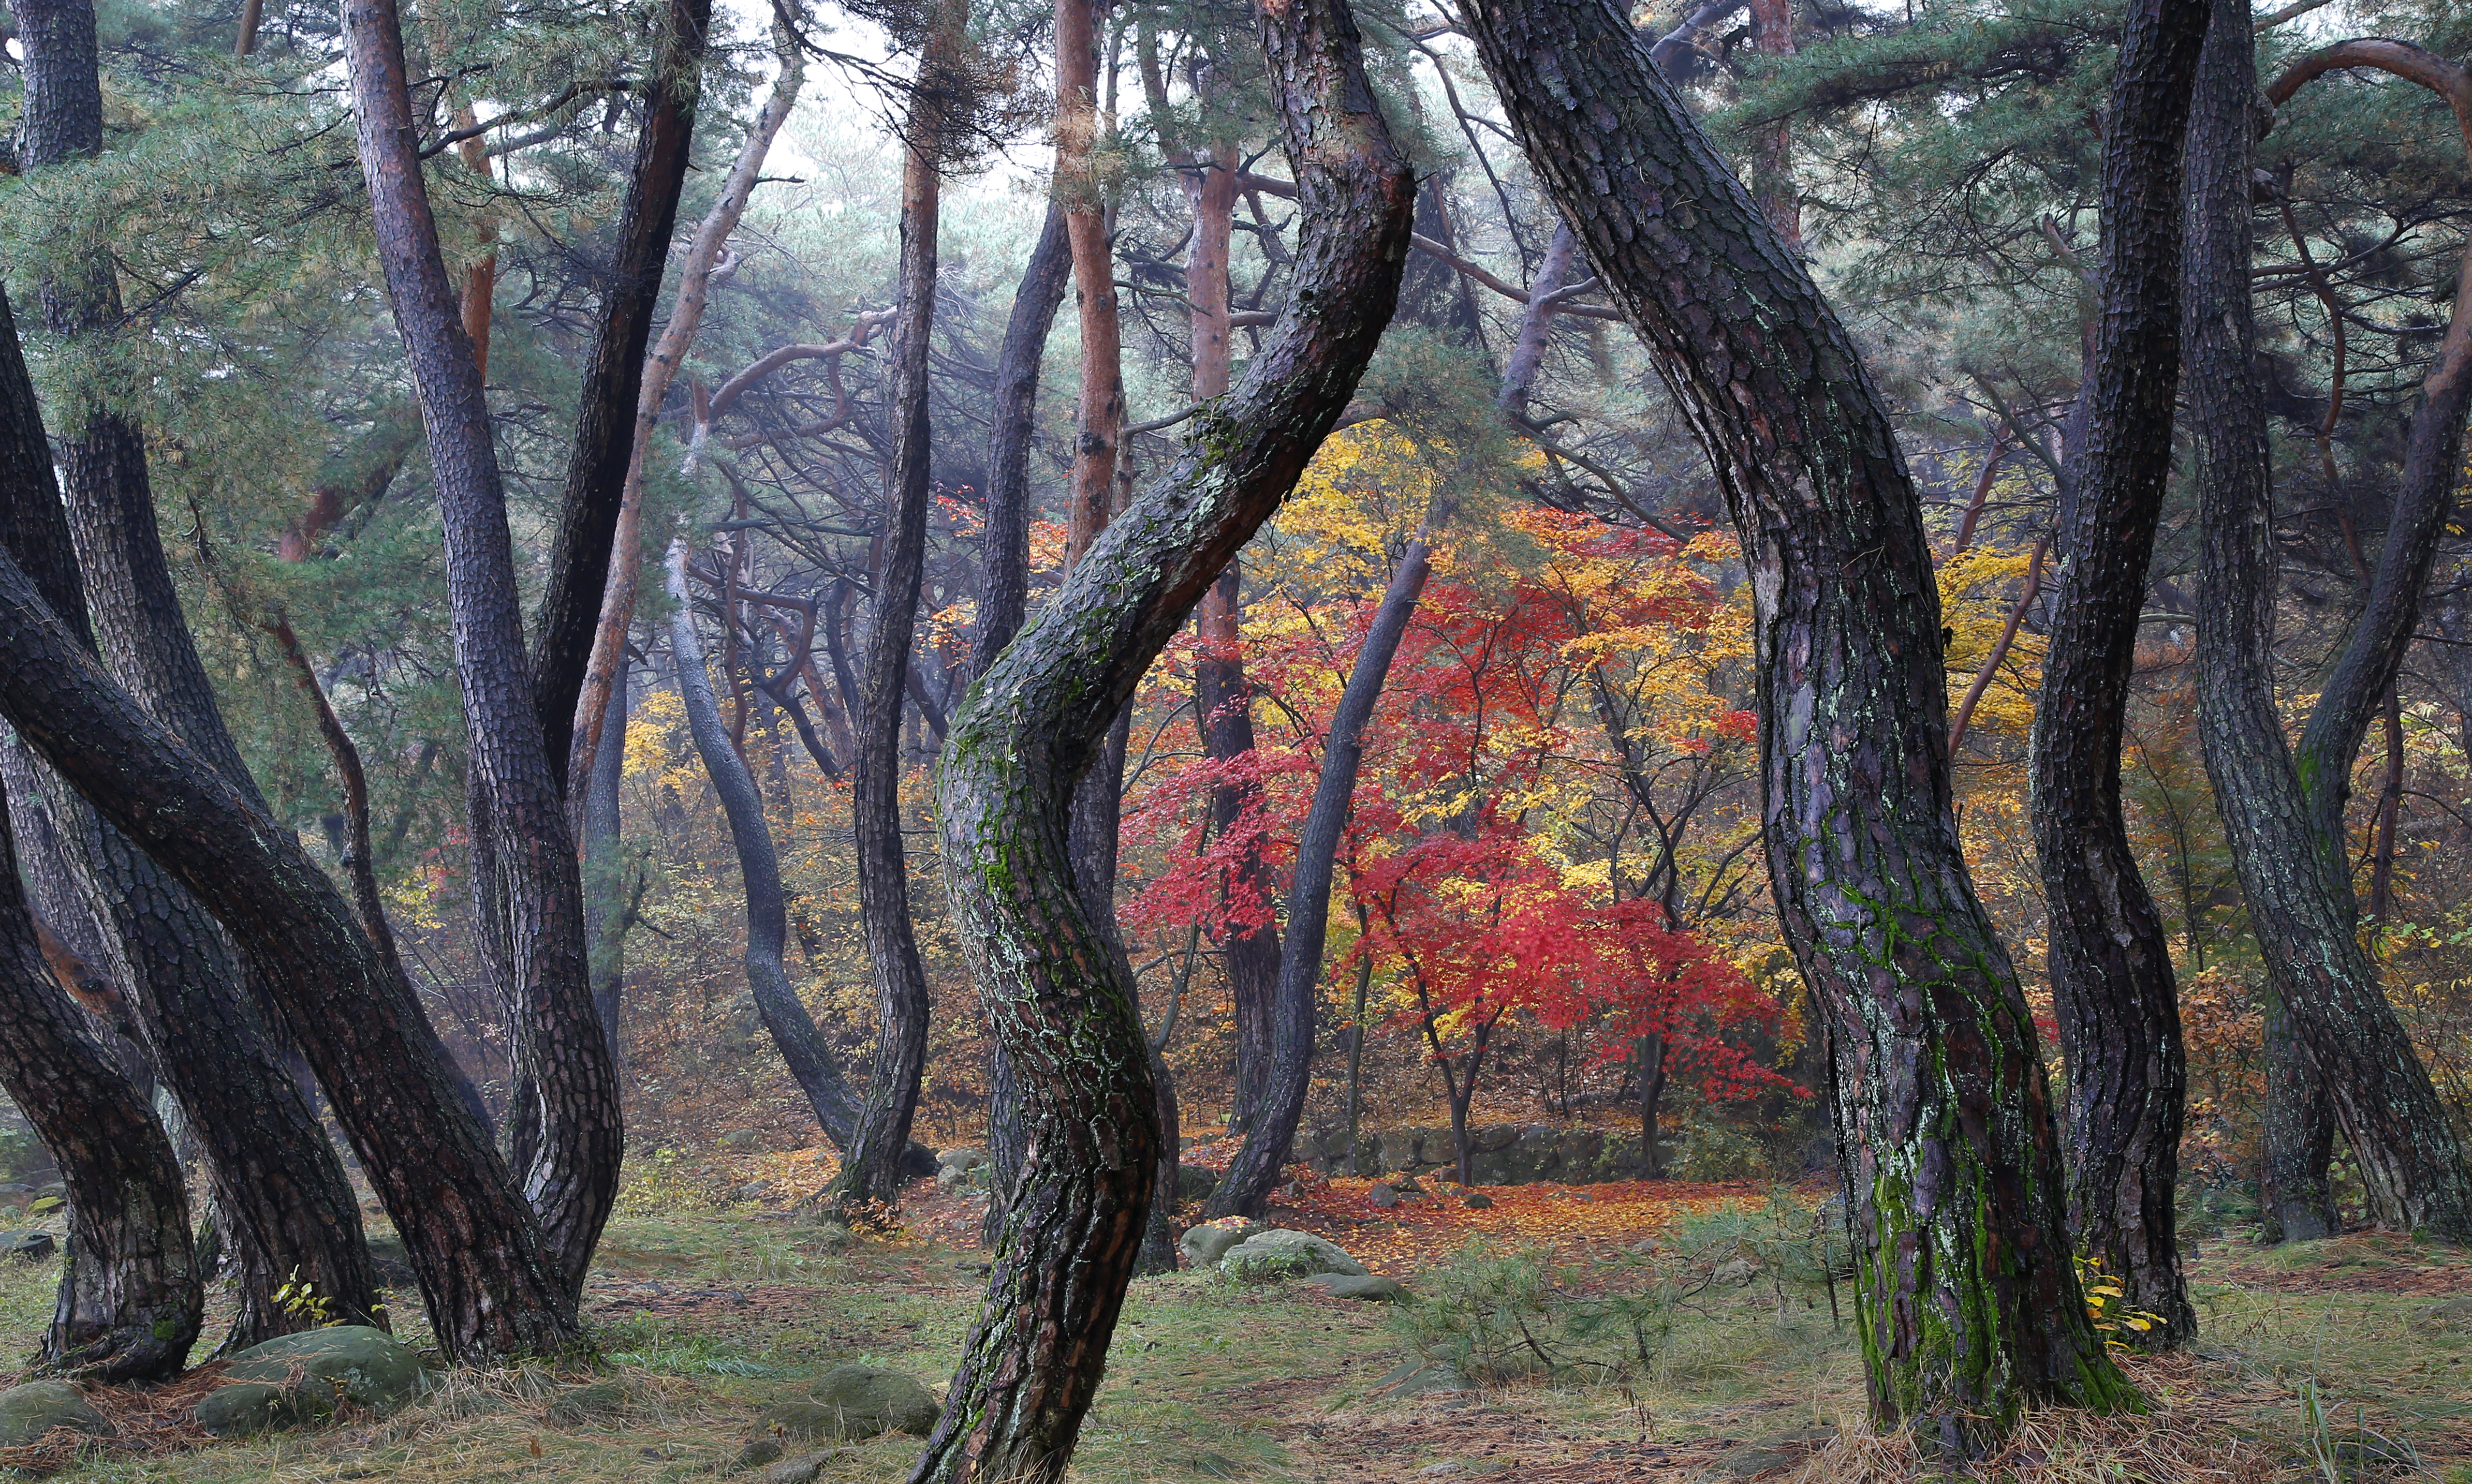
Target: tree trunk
[
  {"x": 1038, "y": 720},
  {"x": 613, "y": 377},
  {"x": 471, "y": 1238},
  {"x": 1649, "y": 1051},
  {"x": 278, "y": 1189},
  {"x": 1968, "y": 1308},
  {"x": 609, "y": 911},
  {"x": 1222, "y": 700},
  {"x": 607, "y": 667},
  {"x": 1246, "y": 1187},
  {"x": 2112, "y": 989},
  {"x": 1006, "y": 601},
  {"x": 573, "y": 1178},
  {"x": 2331, "y": 1039},
  {"x": 874, "y": 1168},
  {"x": 1249, "y": 1180},
  {"x": 130, "y": 1297},
  {"x": 802, "y": 1047}
]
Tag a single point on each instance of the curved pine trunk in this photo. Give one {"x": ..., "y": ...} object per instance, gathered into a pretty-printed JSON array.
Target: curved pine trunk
[
  {"x": 572, "y": 1178},
  {"x": 130, "y": 1297},
  {"x": 802, "y": 1047},
  {"x": 1036, "y": 722},
  {"x": 279, "y": 1192},
  {"x": 2333, "y": 1040},
  {"x": 2126, "y": 1076},
  {"x": 1968, "y": 1308},
  {"x": 1004, "y": 601},
  {"x": 873, "y": 1170}
]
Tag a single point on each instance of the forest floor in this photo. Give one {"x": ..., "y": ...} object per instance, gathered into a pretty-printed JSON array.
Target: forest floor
[{"x": 2345, "y": 1359}]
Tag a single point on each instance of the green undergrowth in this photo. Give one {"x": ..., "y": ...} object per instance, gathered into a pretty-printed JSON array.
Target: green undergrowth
[{"x": 707, "y": 1317}]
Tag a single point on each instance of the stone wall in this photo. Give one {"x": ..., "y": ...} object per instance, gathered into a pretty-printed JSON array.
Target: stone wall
[{"x": 1505, "y": 1153}]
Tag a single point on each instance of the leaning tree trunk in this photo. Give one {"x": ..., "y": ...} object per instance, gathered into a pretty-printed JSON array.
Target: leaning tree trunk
[
  {"x": 608, "y": 912},
  {"x": 1036, "y": 722},
  {"x": 130, "y": 1297},
  {"x": 283, "y": 1203},
  {"x": 2331, "y": 1033},
  {"x": 1968, "y": 1308},
  {"x": 2124, "y": 1074},
  {"x": 573, "y": 1177},
  {"x": 1004, "y": 601},
  {"x": 802, "y": 1045},
  {"x": 613, "y": 376},
  {"x": 472, "y": 1240},
  {"x": 872, "y": 1171}
]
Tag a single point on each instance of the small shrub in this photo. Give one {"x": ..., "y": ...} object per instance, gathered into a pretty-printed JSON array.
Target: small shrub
[
  {"x": 1711, "y": 1151},
  {"x": 1490, "y": 1314}
]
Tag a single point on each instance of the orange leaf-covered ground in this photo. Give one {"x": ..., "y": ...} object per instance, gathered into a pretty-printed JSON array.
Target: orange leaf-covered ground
[{"x": 1423, "y": 1231}]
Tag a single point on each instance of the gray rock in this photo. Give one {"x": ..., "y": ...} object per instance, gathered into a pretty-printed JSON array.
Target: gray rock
[
  {"x": 1384, "y": 1196},
  {"x": 1206, "y": 1244},
  {"x": 392, "y": 1260},
  {"x": 751, "y": 1194},
  {"x": 1740, "y": 1272},
  {"x": 855, "y": 1401},
  {"x": 1268, "y": 1256},
  {"x": 1420, "y": 1378},
  {"x": 2452, "y": 1316},
  {"x": 27, "y": 1412},
  {"x": 760, "y": 1450},
  {"x": 308, "y": 1376},
  {"x": 1763, "y": 1456},
  {"x": 1193, "y": 1183},
  {"x": 948, "y": 1176},
  {"x": 963, "y": 1158},
  {"x": 739, "y": 1139},
  {"x": 27, "y": 1246},
  {"x": 591, "y": 1402},
  {"x": 1477, "y": 1200},
  {"x": 801, "y": 1469},
  {"x": 1372, "y": 1288}
]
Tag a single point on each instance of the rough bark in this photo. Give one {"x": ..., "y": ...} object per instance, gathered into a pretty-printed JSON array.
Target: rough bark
[
  {"x": 279, "y": 1192},
  {"x": 130, "y": 1297},
  {"x": 2126, "y": 1076},
  {"x": 608, "y": 910},
  {"x": 1004, "y": 600},
  {"x": 802, "y": 1045},
  {"x": 471, "y": 1238},
  {"x": 606, "y": 668},
  {"x": 1968, "y": 1308},
  {"x": 1036, "y": 721},
  {"x": 873, "y": 1170},
  {"x": 573, "y": 1177},
  {"x": 1099, "y": 419},
  {"x": 2333, "y": 1040},
  {"x": 613, "y": 376}
]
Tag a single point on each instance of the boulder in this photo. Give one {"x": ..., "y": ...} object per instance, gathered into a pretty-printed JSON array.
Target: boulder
[
  {"x": 918, "y": 1161},
  {"x": 1384, "y": 1196},
  {"x": 801, "y": 1469},
  {"x": 739, "y": 1139},
  {"x": 27, "y": 1246},
  {"x": 27, "y": 1412},
  {"x": 1476, "y": 1200},
  {"x": 307, "y": 1376},
  {"x": 2451, "y": 1316},
  {"x": 855, "y": 1401},
  {"x": 1206, "y": 1244},
  {"x": 1269, "y": 1257},
  {"x": 963, "y": 1158},
  {"x": 1420, "y": 1378},
  {"x": 1740, "y": 1272},
  {"x": 1372, "y": 1288},
  {"x": 591, "y": 1402},
  {"x": 1193, "y": 1183},
  {"x": 1765, "y": 1457},
  {"x": 948, "y": 1176}
]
